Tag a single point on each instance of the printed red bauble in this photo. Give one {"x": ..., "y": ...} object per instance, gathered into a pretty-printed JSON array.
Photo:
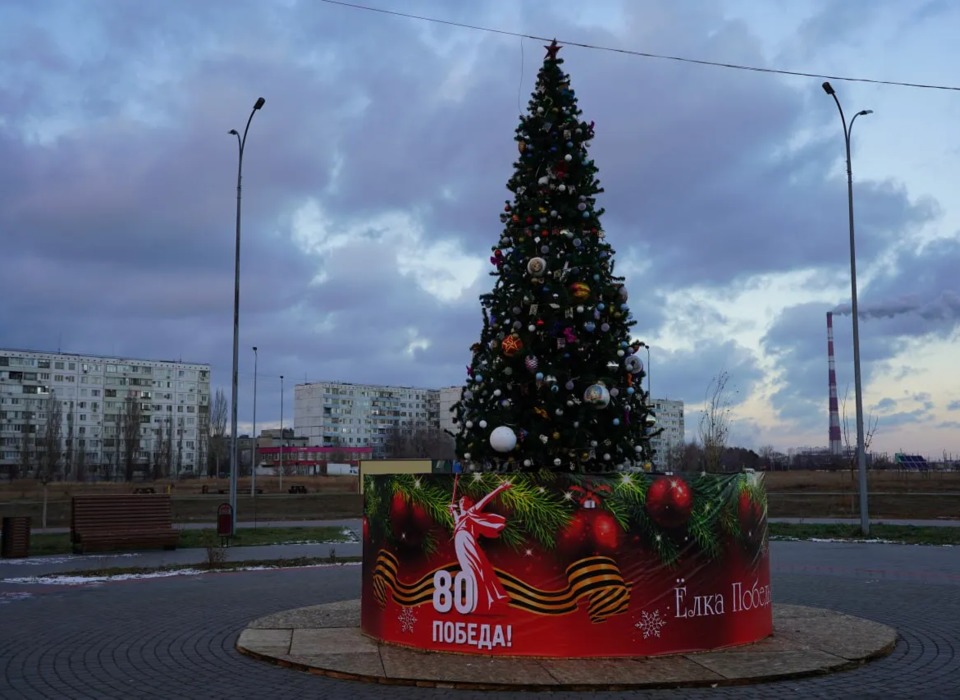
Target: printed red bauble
[
  {"x": 402, "y": 522},
  {"x": 420, "y": 520},
  {"x": 573, "y": 540},
  {"x": 606, "y": 535},
  {"x": 366, "y": 529},
  {"x": 669, "y": 501},
  {"x": 399, "y": 515},
  {"x": 750, "y": 514},
  {"x": 399, "y": 508}
]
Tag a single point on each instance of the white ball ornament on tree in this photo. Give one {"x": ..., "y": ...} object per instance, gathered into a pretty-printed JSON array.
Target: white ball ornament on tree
[
  {"x": 503, "y": 439},
  {"x": 633, "y": 364},
  {"x": 597, "y": 395}
]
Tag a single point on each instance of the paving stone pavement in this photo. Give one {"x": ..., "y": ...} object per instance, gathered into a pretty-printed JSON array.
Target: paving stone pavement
[{"x": 175, "y": 637}]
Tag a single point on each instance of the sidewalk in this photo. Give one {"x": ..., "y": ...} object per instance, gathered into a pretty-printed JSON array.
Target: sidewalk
[{"x": 62, "y": 563}]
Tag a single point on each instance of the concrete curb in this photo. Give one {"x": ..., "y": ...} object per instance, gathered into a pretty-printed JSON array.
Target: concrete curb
[{"x": 326, "y": 640}]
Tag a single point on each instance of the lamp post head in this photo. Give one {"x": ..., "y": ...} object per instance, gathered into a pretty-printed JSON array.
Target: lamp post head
[
  {"x": 259, "y": 103},
  {"x": 234, "y": 132},
  {"x": 865, "y": 112},
  {"x": 828, "y": 88},
  {"x": 254, "y": 348}
]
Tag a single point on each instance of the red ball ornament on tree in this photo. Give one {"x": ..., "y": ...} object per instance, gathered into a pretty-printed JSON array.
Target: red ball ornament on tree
[
  {"x": 511, "y": 345},
  {"x": 669, "y": 501}
]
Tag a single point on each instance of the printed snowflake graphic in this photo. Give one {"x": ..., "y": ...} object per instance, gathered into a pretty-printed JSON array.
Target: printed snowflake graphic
[
  {"x": 650, "y": 624},
  {"x": 407, "y": 620}
]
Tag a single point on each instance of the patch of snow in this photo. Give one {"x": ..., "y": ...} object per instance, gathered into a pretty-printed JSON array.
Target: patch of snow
[
  {"x": 60, "y": 559},
  {"x": 76, "y": 579}
]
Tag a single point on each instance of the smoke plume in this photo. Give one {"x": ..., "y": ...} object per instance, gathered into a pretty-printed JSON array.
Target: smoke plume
[{"x": 945, "y": 308}]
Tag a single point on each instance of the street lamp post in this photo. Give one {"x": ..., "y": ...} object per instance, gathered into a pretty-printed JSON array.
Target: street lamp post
[
  {"x": 236, "y": 326},
  {"x": 253, "y": 457},
  {"x": 861, "y": 450},
  {"x": 281, "y": 433}
]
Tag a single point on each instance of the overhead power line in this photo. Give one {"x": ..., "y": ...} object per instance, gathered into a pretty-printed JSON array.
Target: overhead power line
[{"x": 644, "y": 54}]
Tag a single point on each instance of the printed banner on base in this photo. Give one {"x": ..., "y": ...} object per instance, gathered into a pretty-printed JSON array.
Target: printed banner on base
[{"x": 566, "y": 566}]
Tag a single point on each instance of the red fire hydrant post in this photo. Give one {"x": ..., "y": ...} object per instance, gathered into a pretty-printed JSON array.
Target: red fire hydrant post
[{"x": 225, "y": 521}]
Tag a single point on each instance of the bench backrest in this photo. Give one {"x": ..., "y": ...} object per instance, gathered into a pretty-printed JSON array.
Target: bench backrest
[{"x": 120, "y": 511}]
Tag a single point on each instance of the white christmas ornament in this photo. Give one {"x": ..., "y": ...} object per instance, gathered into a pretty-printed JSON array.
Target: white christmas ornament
[
  {"x": 503, "y": 439},
  {"x": 633, "y": 364},
  {"x": 597, "y": 395},
  {"x": 536, "y": 266}
]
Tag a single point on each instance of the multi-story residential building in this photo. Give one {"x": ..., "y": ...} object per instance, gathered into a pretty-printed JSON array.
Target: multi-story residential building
[
  {"x": 156, "y": 412},
  {"x": 341, "y": 414},
  {"x": 449, "y": 395},
  {"x": 669, "y": 417}
]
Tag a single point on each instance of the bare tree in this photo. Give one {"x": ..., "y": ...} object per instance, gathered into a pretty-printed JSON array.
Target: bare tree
[
  {"x": 157, "y": 455},
  {"x": 715, "y": 422},
  {"x": 49, "y": 461},
  {"x": 82, "y": 461},
  {"x": 218, "y": 430},
  {"x": 179, "y": 445},
  {"x": 70, "y": 455},
  {"x": 425, "y": 442},
  {"x": 26, "y": 443},
  {"x": 869, "y": 428},
  {"x": 131, "y": 435},
  {"x": 203, "y": 438}
]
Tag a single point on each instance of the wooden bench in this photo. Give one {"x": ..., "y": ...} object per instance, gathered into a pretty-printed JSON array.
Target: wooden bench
[{"x": 104, "y": 523}]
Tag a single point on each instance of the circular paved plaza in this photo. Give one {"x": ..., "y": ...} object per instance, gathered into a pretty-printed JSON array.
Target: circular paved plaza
[{"x": 175, "y": 637}]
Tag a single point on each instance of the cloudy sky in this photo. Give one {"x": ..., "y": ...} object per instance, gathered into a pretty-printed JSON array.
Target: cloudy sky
[{"x": 375, "y": 174}]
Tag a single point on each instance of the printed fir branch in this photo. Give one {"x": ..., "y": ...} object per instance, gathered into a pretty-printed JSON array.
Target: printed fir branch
[{"x": 532, "y": 508}]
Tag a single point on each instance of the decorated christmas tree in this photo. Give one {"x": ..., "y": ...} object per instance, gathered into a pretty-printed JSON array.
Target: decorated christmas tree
[{"x": 554, "y": 382}]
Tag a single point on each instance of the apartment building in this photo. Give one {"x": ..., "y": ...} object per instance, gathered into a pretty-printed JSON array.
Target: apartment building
[
  {"x": 100, "y": 399},
  {"x": 342, "y": 414},
  {"x": 669, "y": 417}
]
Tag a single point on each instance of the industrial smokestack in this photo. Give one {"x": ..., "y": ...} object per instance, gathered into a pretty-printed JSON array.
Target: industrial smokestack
[{"x": 835, "y": 445}]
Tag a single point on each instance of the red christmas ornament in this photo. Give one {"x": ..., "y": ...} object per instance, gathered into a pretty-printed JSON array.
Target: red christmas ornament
[
  {"x": 572, "y": 542},
  {"x": 511, "y": 345},
  {"x": 579, "y": 290},
  {"x": 366, "y": 529},
  {"x": 750, "y": 514},
  {"x": 420, "y": 520},
  {"x": 606, "y": 535},
  {"x": 669, "y": 501},
  {"x": 407, "y": 521}
]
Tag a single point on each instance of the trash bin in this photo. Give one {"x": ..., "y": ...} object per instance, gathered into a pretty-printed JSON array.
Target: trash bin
[
  {"x": 15, "y": 540},
  {"x": 225, "y": 520}
]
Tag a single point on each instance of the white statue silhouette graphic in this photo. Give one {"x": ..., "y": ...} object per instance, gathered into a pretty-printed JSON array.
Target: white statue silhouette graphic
[{"x": 470, "y": 522}]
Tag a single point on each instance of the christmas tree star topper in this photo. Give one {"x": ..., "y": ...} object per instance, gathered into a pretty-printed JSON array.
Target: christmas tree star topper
[{"x": 552, "y": 50}]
